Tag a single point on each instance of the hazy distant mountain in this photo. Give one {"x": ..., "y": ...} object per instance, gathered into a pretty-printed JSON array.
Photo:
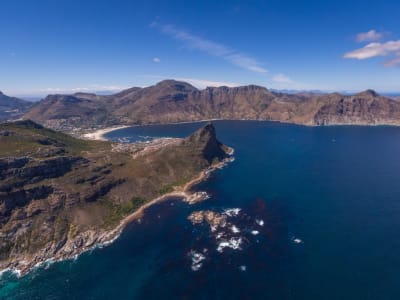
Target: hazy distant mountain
[
  {"x": 11, "y": 107},
  {"x": 175, "y": 101}
]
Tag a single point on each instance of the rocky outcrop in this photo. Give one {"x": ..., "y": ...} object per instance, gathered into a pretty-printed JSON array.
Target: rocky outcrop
[
  {"x": 212, "y": 218},
  {"x": 206, "y": 139}
]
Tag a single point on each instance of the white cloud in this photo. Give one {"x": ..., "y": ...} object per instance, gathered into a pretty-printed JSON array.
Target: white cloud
[
  {"x": 282, "y": 78},
  {"x": 389, "y": 49},
  {"x": 88, "y": 89},
  {"x": 156, "y": 59},
  {"x": 393, "y": 62},
  {"x": 370, "y": 36},
  {"x": 374, "y": 50},
  {"x": 212, "y": 48},
  {"x": 201, "y": 83}
]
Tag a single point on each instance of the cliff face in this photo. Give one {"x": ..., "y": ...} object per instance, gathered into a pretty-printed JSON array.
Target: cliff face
[
  {"x": 174, "y": 101},
  {"x": 60, "y": 195},
  {"x": 206, "y": 140},
  {"x": 363, "y": 108}
]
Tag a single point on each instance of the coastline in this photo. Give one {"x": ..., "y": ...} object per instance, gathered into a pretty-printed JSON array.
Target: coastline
[
  {"x": 100, "y": 133},
  {"x": 106, "y": 238}
]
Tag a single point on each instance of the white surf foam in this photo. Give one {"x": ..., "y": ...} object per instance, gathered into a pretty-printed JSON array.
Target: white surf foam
[
  {"x": 232, "y": 212},
  {"x": 197, "y": 260},
  {"x": 235, "y": 229},
  {"x": 260, "y": 222},
  {"x": 233, "y": 243},
  {"x": 297, "y": 241}
]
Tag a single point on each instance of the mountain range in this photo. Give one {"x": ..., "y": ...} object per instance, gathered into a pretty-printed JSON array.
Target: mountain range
[
  {"x": 11, "y": 107},
  {"x": 171, "y": 101}
]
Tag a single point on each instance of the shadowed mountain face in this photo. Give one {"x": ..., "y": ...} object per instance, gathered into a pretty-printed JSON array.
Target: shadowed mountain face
[
  {"x": 59, "y": 194},
  {"x": 174, "y": 101},
  {"x": 11, "y": 107}
]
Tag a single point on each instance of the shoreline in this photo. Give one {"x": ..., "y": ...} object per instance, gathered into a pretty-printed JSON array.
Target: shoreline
[
  {"x": 99, "y": 134},
  {"x": 182, "y": 192}
]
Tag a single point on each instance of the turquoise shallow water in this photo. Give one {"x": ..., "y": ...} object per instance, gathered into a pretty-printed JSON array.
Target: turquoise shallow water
[{"x": 335, "y": 189}]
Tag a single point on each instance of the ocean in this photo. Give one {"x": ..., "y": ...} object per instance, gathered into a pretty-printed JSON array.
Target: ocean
[{"x": 312, "y": 213}]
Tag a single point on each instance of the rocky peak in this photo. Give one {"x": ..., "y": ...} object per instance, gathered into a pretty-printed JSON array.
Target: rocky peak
[
  {"x": 178, "y": 86},
  {"x": 204, "y": 134},
  {"x": 206, "y": 138},
  {"x": 368, "y": 93}
]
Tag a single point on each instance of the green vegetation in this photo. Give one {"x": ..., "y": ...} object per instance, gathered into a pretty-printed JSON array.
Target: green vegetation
[
  {"x": 27, "y": 137},
  {"x": 215, "y": 161},
  {"x": 169, "y": 188},
  {"x": 118, "y": 212},
  {"x": 166, "y": 189}
]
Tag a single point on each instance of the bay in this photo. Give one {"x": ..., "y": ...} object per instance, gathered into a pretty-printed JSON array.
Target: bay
[{"x": 329, "y": 199}]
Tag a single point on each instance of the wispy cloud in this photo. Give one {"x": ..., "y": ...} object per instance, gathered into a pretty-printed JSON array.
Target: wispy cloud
[
  {"x": 393, "y": 62},
  {"x": 156, "y": 59},
  {"x": 91, "y": 89},
  {"x": 281, "y": 81},
  {"x": 375, "y": 50},
  {"x": 201, "y": 83},
  {"x": 212, "y": 48},
  {"x": 369, "y": 36},
  {"x": 282, "y": 78}
]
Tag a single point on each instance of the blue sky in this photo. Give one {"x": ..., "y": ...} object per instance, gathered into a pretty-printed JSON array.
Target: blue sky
[{"x": 64, "y": 46}]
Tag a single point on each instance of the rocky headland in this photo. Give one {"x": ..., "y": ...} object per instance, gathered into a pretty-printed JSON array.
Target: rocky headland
[{"x": 61, "y": 196}]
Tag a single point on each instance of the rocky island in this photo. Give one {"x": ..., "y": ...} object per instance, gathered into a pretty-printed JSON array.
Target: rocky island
[{"x": 60, "y": 196}]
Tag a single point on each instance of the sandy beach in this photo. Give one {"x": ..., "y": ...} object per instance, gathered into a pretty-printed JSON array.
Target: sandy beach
[{"x": 99, "y": 134}]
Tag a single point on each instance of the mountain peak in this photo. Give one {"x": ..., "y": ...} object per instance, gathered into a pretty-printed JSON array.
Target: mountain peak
[
  {"x": 177, "y": 85},
  {"x": 204, "y": 133},
  {"x": 206, "y": 139},
  {"x": 368, "y": 93}
]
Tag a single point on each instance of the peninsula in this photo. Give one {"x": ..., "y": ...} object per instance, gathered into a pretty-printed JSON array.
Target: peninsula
[{"x": 60, "y": 196}]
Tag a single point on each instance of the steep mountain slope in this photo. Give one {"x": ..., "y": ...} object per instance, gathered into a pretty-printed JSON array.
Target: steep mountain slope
[
  {"x": 60, "y": 195},
  {"x": 11, "y": 107},
  {"x": 363, "y": 108},
  {"x": 174, "y": 101}
]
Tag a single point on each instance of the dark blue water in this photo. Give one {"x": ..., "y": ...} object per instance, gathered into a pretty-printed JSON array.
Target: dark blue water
[{"x": 334, "y": 190}]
